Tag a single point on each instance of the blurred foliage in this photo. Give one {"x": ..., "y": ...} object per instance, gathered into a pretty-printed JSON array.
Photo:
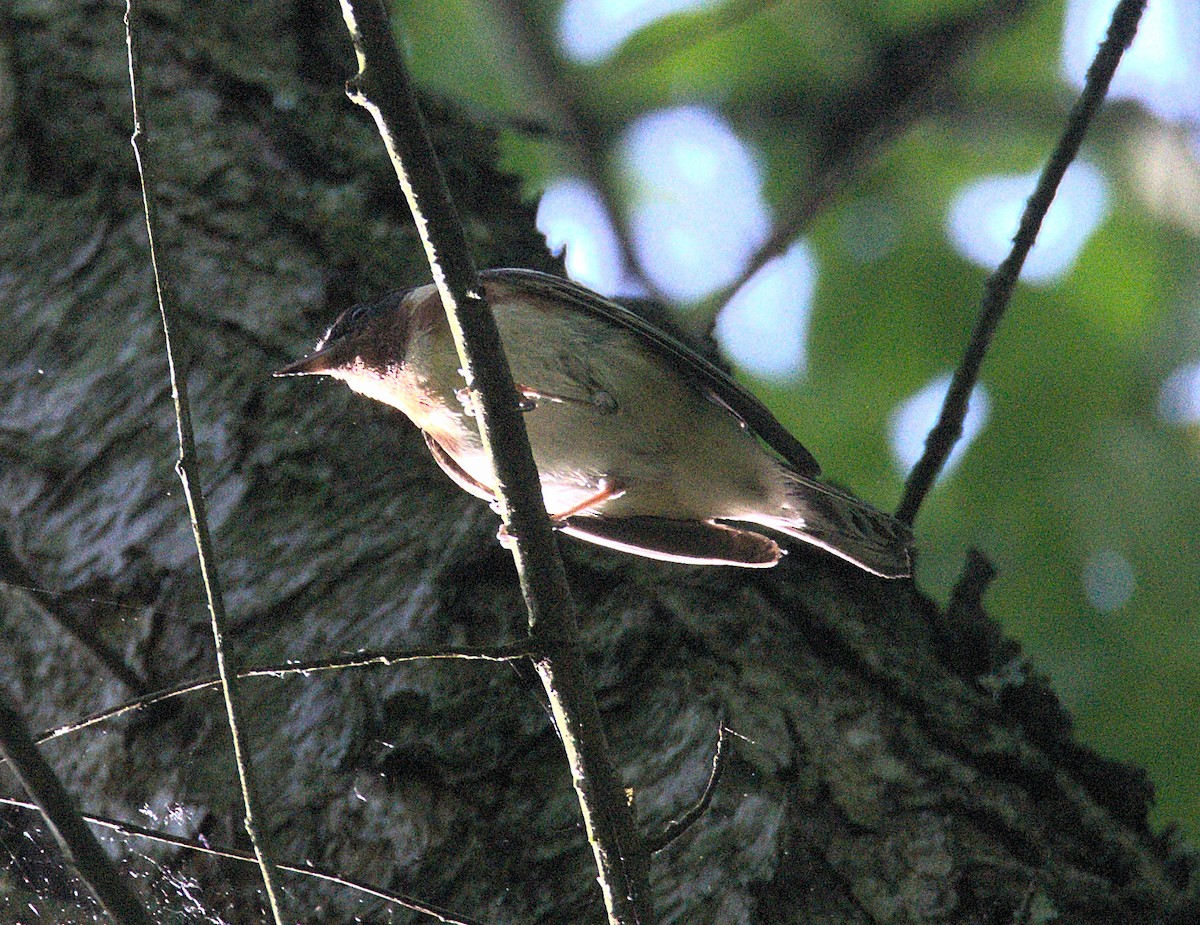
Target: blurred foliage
[{"x": 1075, "y": 458}]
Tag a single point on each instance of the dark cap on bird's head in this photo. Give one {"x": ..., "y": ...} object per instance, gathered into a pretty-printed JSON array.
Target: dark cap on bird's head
[{"x": 374, "y": 332}]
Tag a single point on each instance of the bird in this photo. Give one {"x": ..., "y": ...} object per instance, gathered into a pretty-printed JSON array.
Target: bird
[{"x": 641, "y": 443}]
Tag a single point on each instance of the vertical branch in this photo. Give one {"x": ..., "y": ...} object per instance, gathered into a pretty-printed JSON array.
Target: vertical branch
[
  {"x": 999, "y": 287},
  {"x": 76, "y": 839},
  {"x": 383, "y": 87},
  {"x": 189, "y": 474}
]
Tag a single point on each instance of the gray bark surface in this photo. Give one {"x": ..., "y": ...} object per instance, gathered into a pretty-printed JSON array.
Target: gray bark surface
[{"x": 892, "y": 763}]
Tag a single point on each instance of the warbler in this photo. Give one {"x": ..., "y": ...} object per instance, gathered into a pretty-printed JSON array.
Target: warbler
[{"x": 642, "y": 444}]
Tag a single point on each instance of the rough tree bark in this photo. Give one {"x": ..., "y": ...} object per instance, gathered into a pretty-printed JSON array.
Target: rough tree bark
[{"x": 892, "y": 763}]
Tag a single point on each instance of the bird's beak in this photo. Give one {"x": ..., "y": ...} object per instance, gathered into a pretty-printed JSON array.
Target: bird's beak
[{"x": 317, "y": 364}]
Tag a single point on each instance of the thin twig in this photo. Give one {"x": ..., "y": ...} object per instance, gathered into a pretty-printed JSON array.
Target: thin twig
[
  {"x": 359, "y": 660},
  {"x": 76, "y": 839},
  {"x": 676, "y": 827},
  {"x": 384, "y": 87},
  {"x": 966, "y": 598},
  {"x": 999, "y": 287},
  {"x": 16, "y": 574},
  {"x": 559, "y": 96},
  {"x": 188, "y": 469},
  {"x": 868, "y": 116},
  {"x": 129, "y": 830}
]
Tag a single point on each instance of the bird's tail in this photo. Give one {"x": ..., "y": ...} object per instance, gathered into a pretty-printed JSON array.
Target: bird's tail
[{"x": 838, "y": 522}]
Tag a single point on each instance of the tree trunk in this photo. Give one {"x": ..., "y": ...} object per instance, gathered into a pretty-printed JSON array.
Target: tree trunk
[{"x": 891, "y": 763}]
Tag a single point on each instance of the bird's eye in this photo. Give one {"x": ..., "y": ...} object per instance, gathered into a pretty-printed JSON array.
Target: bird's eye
[{"x": 348, "y": 322}]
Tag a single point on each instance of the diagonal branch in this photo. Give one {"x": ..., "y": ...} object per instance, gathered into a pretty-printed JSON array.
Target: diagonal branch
[
  {"x": 586, "y": 137},
  {"x": 384, "y": 88},
  {"x": 76, "y": 839},
  {"x": 999, "y": 287},
  {"x": 676, "y": 827},
  {"x": 129, "y": 830},
  {"x": 358, "y": 660},
  {"x": 188, "y": 469},
  {"x": 866, "y": 117},
  {"x": 16, "y": 574}
]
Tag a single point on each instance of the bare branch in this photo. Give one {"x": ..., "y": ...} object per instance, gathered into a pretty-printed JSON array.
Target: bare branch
[
  {"x": 677, "y": 827},
  {"x": 358, "y": 660},
  {"x": 16, "y": 574},
  {"x": 129, "y": 830},
  {"x": 51, "y": 798},
  {"x": 865, "y": 119},
  {"x": 384, "y": 88},
  {"x": 999, "y": 287},
  {"x": 586, "y": 138},
  {"x": 188, "y": 468}
]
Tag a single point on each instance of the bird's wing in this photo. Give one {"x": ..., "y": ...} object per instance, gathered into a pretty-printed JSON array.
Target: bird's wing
[{"x": 709, "y": 378}]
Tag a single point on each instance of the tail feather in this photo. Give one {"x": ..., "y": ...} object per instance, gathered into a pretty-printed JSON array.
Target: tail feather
[{"x": 841, "y": 524}]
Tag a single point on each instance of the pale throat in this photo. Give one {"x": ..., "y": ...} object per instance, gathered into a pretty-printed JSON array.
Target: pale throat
[{"x": 401, "y": 388}]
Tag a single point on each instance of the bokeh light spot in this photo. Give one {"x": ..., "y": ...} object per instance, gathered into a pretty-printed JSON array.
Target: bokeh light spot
[
  {"x": 573, "y": 218},
  {"x": 1161, "y": 69},
  {"x": 984, "y": 217},
  {"x": 916, "y": 415},
  {"x": 764, "y": 327},
  {"x": 591, "y": 30},
  {"x": 1179, "y": 400},
  {"x": 1108, "y": 580},
  {"x": 698, "y": 211}
]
